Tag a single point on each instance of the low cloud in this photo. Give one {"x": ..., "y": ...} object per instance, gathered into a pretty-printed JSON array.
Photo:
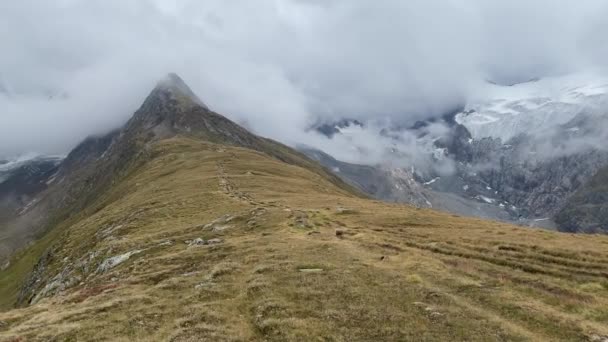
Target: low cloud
[{"x": 71, "y": 68}]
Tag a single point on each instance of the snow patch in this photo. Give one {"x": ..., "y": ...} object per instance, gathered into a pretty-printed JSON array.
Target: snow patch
[
  {"x": 18, "y": 161},
  {"x": 486, "y": 199},
  {"x": 432, "y": 181},
  {"x": 507, "y": 111}
]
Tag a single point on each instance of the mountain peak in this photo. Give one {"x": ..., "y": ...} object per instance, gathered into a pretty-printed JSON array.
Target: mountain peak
[{"x": 178, "y": 89}]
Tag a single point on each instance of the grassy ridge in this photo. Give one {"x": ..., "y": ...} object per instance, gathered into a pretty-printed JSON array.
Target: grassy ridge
[{"x": 301, "y": 259}]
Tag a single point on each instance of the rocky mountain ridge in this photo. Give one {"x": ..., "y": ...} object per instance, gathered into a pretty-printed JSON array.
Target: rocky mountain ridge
[{"x": 95, "y": 164}]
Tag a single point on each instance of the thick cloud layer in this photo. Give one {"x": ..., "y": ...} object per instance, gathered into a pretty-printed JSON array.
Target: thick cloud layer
[{"x": 71, "y": 68}]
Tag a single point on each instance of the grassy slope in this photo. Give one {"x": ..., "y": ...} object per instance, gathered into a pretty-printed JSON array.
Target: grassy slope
[{"x": 396, "y": 273}]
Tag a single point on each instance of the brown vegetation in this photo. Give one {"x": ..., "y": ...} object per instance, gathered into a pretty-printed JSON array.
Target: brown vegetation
[{"x": 299, "y": 259}]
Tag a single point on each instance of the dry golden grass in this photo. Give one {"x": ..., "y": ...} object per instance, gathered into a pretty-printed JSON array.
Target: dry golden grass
[{"x": 281, "y": 273}]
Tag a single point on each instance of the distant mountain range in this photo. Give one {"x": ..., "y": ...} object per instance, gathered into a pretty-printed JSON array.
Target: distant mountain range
[
  {"x": 21, "y": 181},
  {"x": 518, "y": 153}
]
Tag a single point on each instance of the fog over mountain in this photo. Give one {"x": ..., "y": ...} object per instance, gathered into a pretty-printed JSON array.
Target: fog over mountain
[{"x": 72, "y": 68}]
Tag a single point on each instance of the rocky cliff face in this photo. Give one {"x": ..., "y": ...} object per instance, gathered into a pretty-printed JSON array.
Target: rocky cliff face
[
  {"x": 517, "y": 153},
  {"x": 536, "y": 187},
  {"x": 21, "y": 182},
  {"x": 587, "y": 209},
  {"x": 395, "y": 185},
  {"x": 491, "y": 179}
]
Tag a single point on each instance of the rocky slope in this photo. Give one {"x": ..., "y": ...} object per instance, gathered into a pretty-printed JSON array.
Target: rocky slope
[
  {"x": 21, "y": 181},
  {"x": 541, "y": 140},
  {"x": 587, "y": 209},
  {"x": 515, "y": 153},
  {"x": 28, "y": 174},
  {"x": 404, "y": 186},
  {"x": 397, "y": 185}
]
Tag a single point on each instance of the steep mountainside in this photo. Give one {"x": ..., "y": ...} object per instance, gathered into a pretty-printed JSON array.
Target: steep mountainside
[
  {"x": 24, "y": 177},
  {"x": 390, "y": 185},
  {"x": 516, "y": 153},
  {"x": 587, "y": 210},
  {"x": 540, "y": 140},
  {"x": 21, "y": 181},
  {"x": 189, "y": 228},
  {"x": 403, "y": 186}
]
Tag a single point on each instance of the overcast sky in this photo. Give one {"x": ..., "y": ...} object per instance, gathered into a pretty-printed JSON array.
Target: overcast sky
[{"x": 71, "y": 68}]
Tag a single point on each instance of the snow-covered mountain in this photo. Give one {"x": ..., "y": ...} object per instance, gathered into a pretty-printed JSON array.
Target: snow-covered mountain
[
  {"x": 22, "y": 179},
  {"x": 10, "y": 165},
  {"x": 514, "y": 152},
  {"x": 533, "y": 107}
]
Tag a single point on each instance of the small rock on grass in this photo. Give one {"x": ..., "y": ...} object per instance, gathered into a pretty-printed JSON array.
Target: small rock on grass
[
  {"x": 598, "y": 338},
  {"x": 201, "y": 242},
  {"x": 311, "y": 270},
  {"x": 343, "y": 210},
  {"x": 116, "y": 260},
  {"x": 196, "y": 242}
]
